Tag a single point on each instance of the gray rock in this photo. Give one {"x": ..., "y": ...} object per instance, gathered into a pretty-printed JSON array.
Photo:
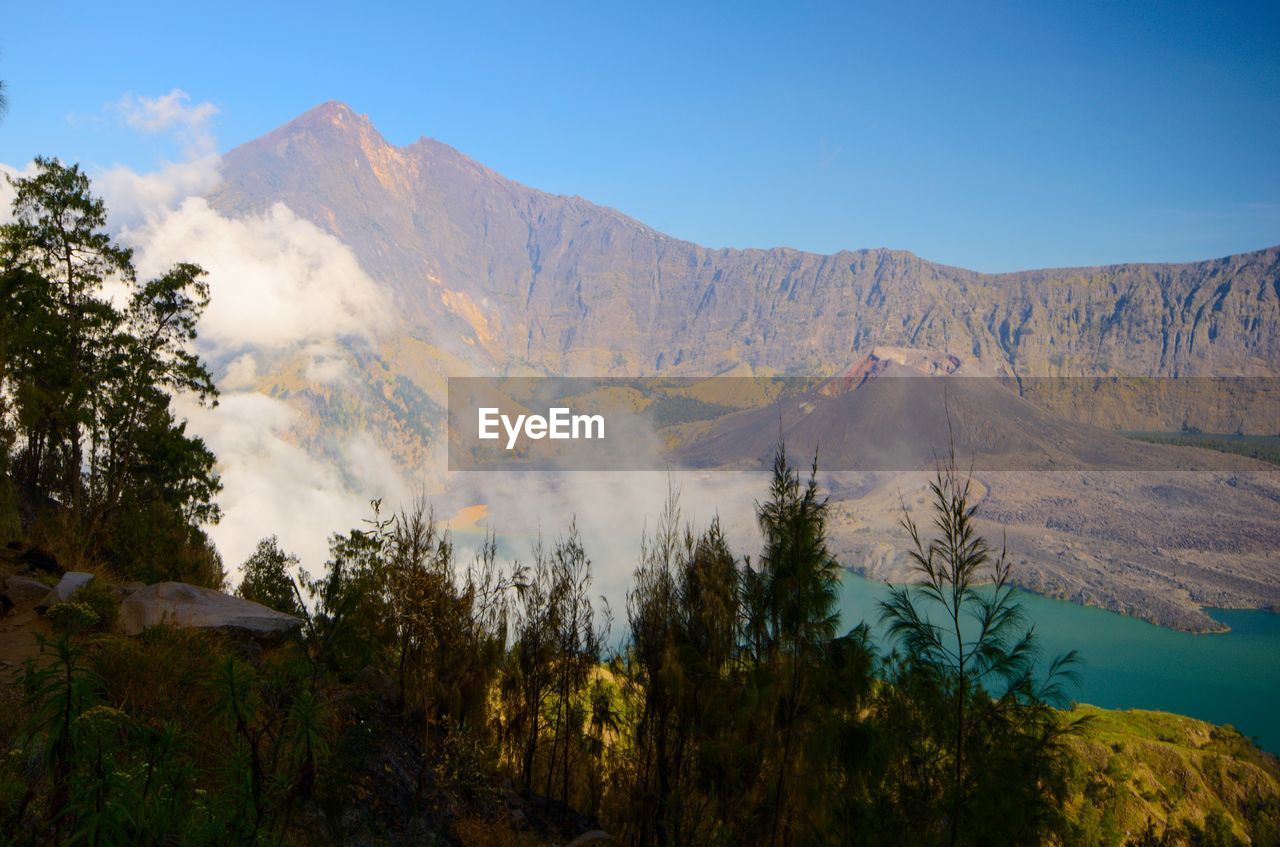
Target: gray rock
[
  {"x": 595, "y": 836},
  {"x": 70, "y": 583},
  {"x": 23, "y": 590},
  {"x": 189, "y": 606}
]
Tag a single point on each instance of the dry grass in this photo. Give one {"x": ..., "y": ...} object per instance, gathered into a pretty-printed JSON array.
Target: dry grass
[{"x": 482, "y": 832}]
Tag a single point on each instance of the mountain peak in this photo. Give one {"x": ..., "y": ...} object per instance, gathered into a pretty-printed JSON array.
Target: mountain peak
[
  {"x": 330, "y": 111},
  {"x": 329, "y": 120},
  {"x": 899, "y": 361}
]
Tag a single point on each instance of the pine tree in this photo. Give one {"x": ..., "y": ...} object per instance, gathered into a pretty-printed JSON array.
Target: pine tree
[
  {"x": 979, "y": 746},
  {"x": 802, "y": 580}
]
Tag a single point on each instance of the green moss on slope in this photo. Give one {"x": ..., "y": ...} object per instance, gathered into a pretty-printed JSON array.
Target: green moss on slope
[{"x": 1156, "y": 778}]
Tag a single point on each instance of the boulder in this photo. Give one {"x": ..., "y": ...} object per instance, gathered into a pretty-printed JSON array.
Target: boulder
[
  {"x": 595, "y": 836},
  {"x": 192, "y": 607},
  {"x": 23, "y": 590},
  {"x": 69, "y": 584}
]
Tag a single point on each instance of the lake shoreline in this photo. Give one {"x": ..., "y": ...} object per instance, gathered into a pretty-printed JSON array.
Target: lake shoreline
[{"x": 1131, "y": 663}]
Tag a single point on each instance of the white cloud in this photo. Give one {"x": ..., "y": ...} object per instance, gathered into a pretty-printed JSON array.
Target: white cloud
[
  {"x": 373, "y": 470},
  {"x": 326, "y": 367},
  {"x": 272, "y": 486},
  {"x": 172, "y": 113},
  {"x": 137, "y": 199},
  {"x": 6, "y": 190},
  {"x": 612, "y": 512},
  {"x": 134, "y": 198},
  {"x": 275, "y": 280},
  {"x": 241, "y": 373}
]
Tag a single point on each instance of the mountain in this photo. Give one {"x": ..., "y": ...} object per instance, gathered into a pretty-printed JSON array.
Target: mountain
[
  {"x": 557, "y": 282},
  {"x": 488, "y": 276}
]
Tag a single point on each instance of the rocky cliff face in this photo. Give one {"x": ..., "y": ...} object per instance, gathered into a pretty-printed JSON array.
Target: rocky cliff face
[{"x": 505, "y": 276}]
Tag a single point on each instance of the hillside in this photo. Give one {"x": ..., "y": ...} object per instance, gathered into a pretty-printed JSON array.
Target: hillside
[
  {"x": 1130, "y": 771},
  {"x": 1194, "y": 781}
]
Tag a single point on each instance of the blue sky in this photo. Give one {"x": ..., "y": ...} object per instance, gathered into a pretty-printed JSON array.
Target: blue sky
[{"x": 992, "y": 136}]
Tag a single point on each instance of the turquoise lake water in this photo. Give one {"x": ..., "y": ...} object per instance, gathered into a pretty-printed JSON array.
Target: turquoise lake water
[{"x": 1226, "y": 678}]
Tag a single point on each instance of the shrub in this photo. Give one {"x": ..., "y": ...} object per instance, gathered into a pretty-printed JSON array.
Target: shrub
[
  {"x": 162, "y": 676},
  {"x": 98, "y": 596},
  {"x": 72, "y": 618},
  {"x": 156, "y": 544}
]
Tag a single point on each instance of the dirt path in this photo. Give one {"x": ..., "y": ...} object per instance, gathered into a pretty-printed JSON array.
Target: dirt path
[{"x": 18, "y": 631}]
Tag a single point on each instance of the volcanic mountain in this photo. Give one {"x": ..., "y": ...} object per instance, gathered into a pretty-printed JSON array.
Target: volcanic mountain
[
  {"x": 903, "y": 410},
  {"x": 488, "y": 276}
]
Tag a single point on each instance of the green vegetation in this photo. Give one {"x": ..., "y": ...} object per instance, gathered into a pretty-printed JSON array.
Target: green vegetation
[
  {"x": 735, "y": 711},
  {"x": 1263, "y": 447},
  {"x": 988, "y": 716},
  {"x": 1150, "y": 778},
  {"x": 672, "y": 409}
]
